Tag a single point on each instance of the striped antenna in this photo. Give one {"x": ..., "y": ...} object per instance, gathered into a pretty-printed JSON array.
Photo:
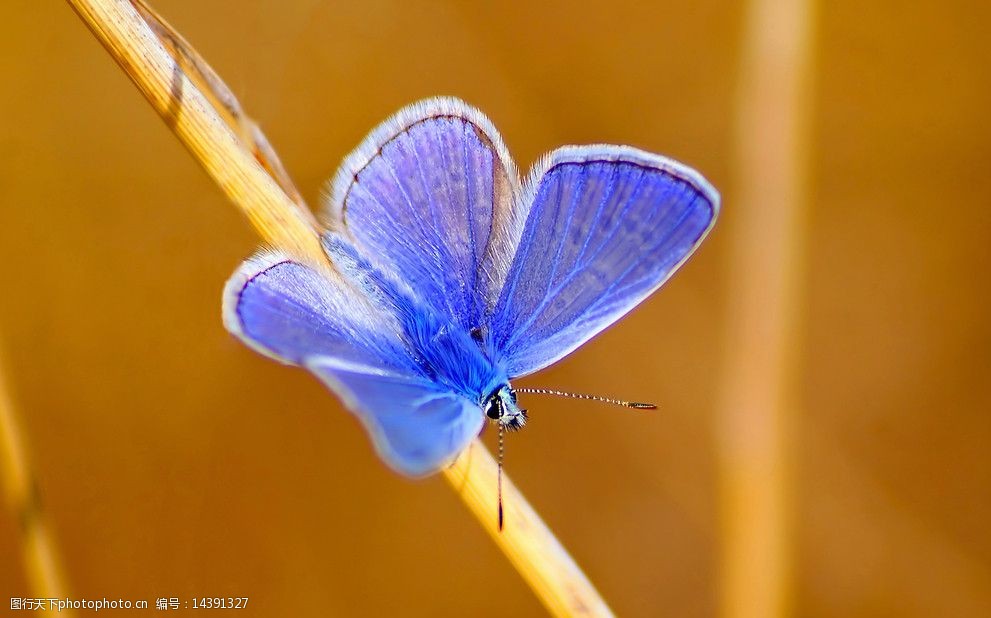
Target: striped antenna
[
  {"x": 502, "y": 433},
  {"x": 618, "y": 402}
]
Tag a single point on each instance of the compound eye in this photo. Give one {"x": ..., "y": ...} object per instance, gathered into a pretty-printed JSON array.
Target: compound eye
[{"x": 492, "y": 410}]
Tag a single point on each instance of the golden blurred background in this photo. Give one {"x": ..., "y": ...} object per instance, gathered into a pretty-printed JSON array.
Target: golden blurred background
[{"x": 171, "y": 461}]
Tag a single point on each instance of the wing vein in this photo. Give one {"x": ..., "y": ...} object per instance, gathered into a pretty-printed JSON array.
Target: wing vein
[
  {"x": 606, "y": 198},
  {"x": 576, "y": 196},
  {"x": 521, "y": 329},
  {"x": 443, "y": 255},
  {"x": 412, "y": 210},
  {"x": 609, "y": 289},
  {"x": 469, "y": 223}
]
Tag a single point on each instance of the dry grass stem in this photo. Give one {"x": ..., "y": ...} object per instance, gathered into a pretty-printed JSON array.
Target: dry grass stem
[
  {"x": 535, "y": 552},
  {"x": 200, "y": 126},
  {"x": 38, "y": 549},
  {"x": 211, "y": 127},
  {"x": 763, "y": 315}
]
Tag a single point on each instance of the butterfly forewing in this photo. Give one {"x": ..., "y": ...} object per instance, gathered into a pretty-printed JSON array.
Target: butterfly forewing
[
  {"x": 607, "y": 225},
  {"x": 428, "y": 197}
]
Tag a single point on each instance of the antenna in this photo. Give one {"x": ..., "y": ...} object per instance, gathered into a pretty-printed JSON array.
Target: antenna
[
  {"x": 502, "y": 432},
  {"x": 618, "y": 402}
]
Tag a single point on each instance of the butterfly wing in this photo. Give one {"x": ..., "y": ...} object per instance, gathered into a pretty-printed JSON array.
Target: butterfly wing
[
  {"x": 288, "y": 311},
  {"x": 415, "y": 427},
  {"x": 428, "y": 198},
  {"x": 300, "y": 316},
  {"x": 607, "y": 226}
]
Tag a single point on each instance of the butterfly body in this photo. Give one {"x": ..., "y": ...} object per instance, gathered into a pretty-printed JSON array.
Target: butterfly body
[
  {"x": 446, "y": 352},
  {"x": 453, "y": 276}
]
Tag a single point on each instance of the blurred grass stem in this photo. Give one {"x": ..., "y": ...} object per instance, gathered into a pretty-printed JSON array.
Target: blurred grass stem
[
  {"x": 40, "y": 554},
  {"x": 232, "y": 157},
  {"x": 767, "y": 228}
]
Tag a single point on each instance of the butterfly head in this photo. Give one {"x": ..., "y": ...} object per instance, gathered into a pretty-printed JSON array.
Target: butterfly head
[{"x": 501, "y": 406}]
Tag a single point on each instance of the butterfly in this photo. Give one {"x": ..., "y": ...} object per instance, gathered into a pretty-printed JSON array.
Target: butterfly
[{"x": 451, "y": 276}]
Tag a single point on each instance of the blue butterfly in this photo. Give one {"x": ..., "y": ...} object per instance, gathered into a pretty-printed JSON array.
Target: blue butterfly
[{"x": 453, "y": 276}]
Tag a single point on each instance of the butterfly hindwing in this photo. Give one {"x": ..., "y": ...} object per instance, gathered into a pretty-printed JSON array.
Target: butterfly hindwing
[
  {"x": 288, "y": 311},
  {"x": 299, "y": 315},
  {"x": 415, "y": 425},
  {"x": 607, "y": 226}
]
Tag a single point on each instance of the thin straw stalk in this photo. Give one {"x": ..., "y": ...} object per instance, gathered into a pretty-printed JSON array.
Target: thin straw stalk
[
  {"x": 17, "y": 479},
  {"x": 767, "y": 236}
]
